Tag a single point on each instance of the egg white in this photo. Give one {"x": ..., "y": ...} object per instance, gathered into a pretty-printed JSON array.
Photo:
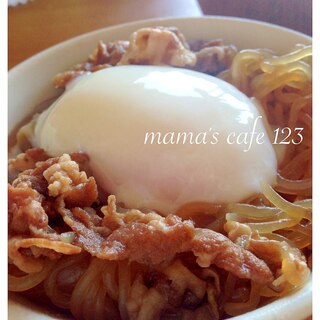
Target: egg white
[{"x": 109, "y": 113}]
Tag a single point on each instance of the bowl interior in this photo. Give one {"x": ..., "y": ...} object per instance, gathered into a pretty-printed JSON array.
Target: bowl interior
[{"x": 30, "y": 85}]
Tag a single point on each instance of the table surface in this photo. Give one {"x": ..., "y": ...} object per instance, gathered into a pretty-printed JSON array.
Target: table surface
[{"x": 39, "y": 24}]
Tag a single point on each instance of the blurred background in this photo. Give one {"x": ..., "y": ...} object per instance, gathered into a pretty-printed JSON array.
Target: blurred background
[
  {"x": 39, "y": 24},
  {"x": 293, "y": 14}
]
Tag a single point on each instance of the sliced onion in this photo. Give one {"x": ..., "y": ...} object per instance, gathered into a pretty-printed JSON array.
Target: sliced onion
[
  {"x": 298, "y": 187},
  {"x": 296, "y": 212},
  {"x": 19, "y": 284}
]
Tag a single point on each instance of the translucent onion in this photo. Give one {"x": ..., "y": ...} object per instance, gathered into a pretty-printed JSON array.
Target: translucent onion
[
  {"x": 189, "y": 210},
  {"x": 57, "y": 246},
  {"x": 265, "y": 83},
  {"x": 70, "y": 263},
  {"x": 270, "y": 226},
  {"x": 293, "y": 56},
  {"x": 278, "y": 237},
  {"x": 297, "y": 187},
  {"x": 212, "y": 295},
  {"x": 125, "y": 279},
  {"x": 252, "y": 211},
  {"x": 297, "y": 163},
  {"x": 273, "y": 291},
  {"x": 243, "y": 219},
  {"x": 240, "y": 65},
  {"x": 294, "y": 269},
  {"x": 109, "y": 279},
  {"x": 307, "y": 203},
  {"x": 301, "y": 241},
  {"x": 296, "y": 212},
  {"x": 26, "y": 282},
  {"x": 237, "y": 308},
  {"x": 236, "y": 230},
  {"x": 303, "y": 229},
  {"x": 228, "y": 287},
  {"x": 209, "y": 273},
  {"x": 285, "y": 97},
  {"x": 91, "y": 278}
]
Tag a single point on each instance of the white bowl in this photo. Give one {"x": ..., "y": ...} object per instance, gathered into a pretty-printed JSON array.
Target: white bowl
[{"x": 30, "y": 84}]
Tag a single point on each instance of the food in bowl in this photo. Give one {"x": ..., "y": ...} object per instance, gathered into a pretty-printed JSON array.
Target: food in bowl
[{"x": 205, "y": 228}]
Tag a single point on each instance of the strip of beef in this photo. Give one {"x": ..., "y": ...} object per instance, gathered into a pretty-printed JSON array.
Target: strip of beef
[
  {"x": 214, "y": 248},
  {"x": 25, "y": 161},
  {"x": 147, "y": 238},
  {"x": 104, "y": 56},
  {"x": 25, "y": 211},
  {"x": 155, "y": 242},
  {"x": 152, "y": 239},
  {"x": 158, "y": 46}
]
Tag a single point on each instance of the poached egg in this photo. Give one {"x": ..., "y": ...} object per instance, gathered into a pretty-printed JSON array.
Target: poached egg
[{"x": 160, "y": 137}]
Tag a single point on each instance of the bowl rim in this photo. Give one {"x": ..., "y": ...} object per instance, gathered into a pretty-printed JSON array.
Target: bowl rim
[{"x": 305, "y": 294}]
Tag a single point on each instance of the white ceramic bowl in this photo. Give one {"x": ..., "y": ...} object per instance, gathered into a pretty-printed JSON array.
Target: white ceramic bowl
[{"x": 30, "y": 84}]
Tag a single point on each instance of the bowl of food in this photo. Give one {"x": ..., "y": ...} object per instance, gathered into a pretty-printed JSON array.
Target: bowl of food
[{"x": 164, "y": 173}]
